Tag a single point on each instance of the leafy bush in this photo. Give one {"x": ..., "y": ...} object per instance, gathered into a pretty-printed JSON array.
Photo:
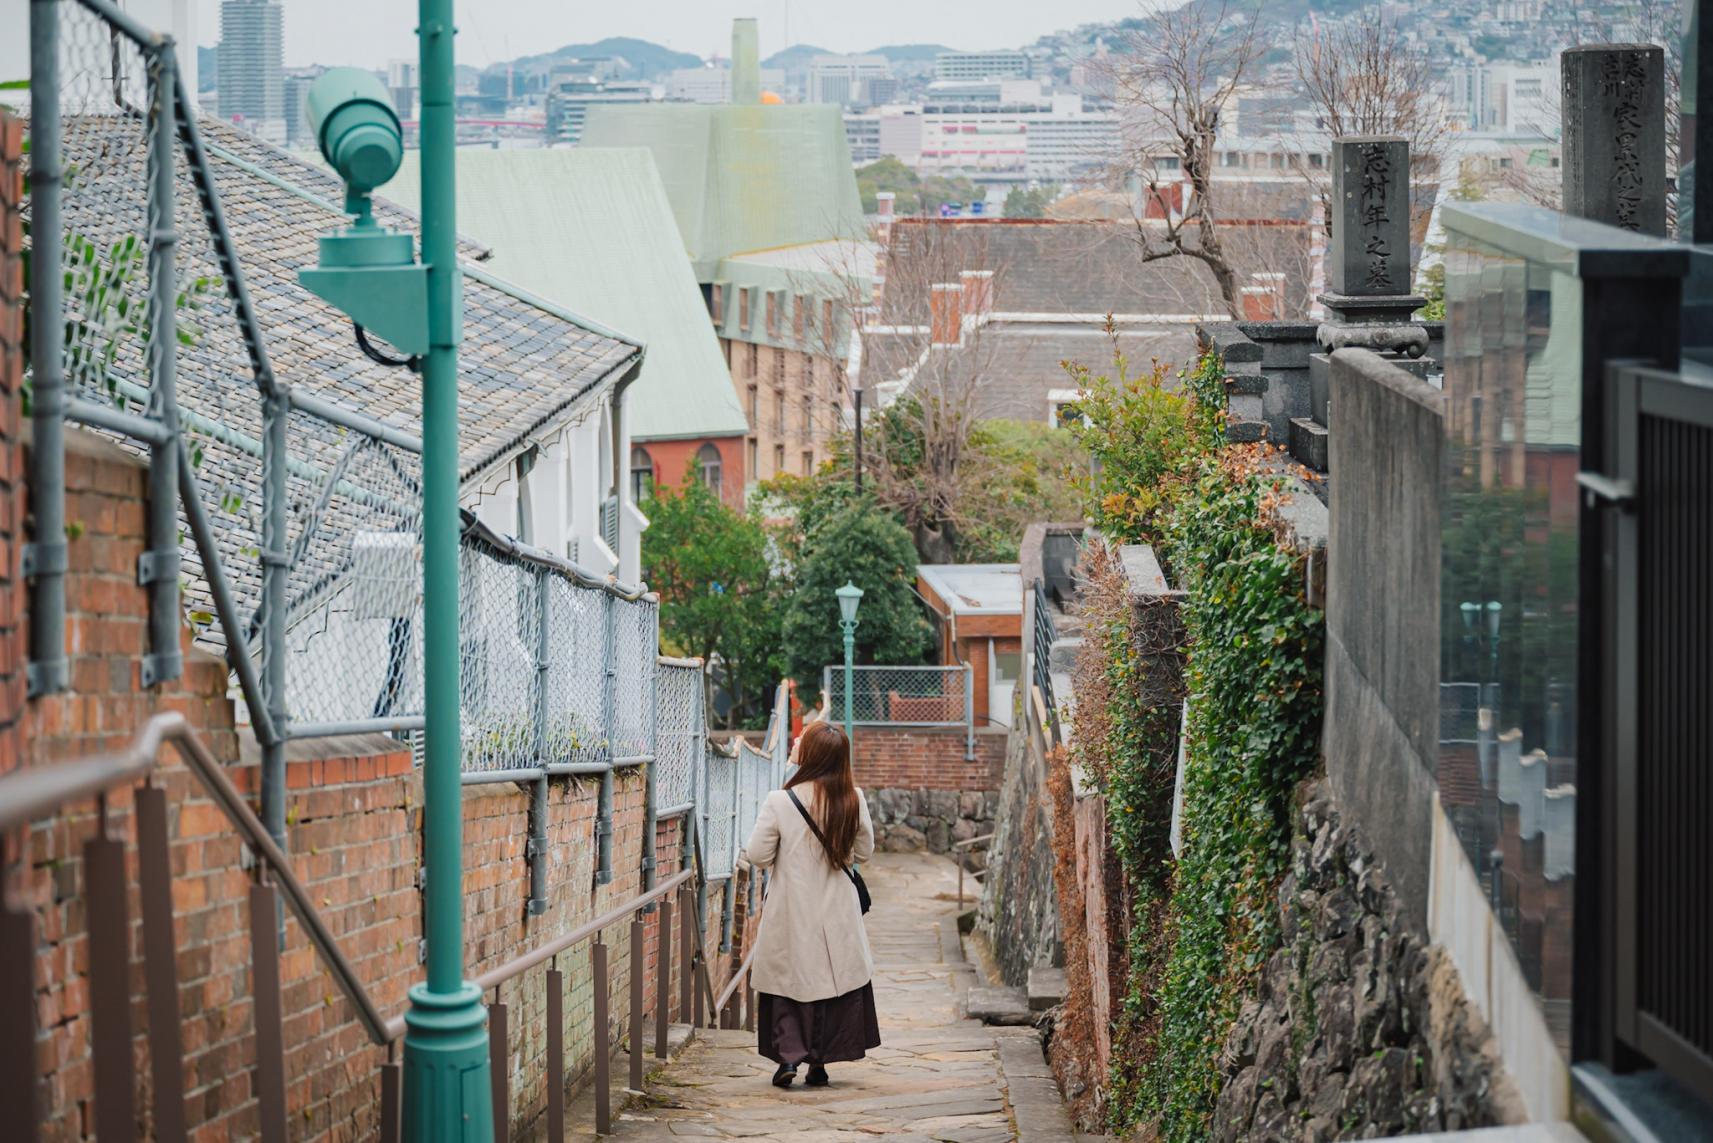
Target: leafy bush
[
  {"x": 872, "y": 550},
  {"x": 1144, "y": 440}
]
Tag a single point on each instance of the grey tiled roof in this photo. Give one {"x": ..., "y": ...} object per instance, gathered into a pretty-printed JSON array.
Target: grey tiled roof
[
  {"x": 521, "y": 361},
  {"x": 1077, "y": 267},
  {"x": 1009, "y": 369}
]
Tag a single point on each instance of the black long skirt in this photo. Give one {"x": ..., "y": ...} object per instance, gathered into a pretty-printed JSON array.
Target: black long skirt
[{"x": 830, "y": 1031}]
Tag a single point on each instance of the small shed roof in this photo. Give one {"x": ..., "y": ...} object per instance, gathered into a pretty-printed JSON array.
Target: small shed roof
[{"x": 976, "y": 589}]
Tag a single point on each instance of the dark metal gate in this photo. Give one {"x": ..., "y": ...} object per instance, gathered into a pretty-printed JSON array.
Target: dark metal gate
[{"x": 1660, "y": 663}]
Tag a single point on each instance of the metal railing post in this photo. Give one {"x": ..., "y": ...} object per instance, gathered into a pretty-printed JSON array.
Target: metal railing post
[
  {"x": 609, "y": 686},
  {"x": 44, "y": 557},
  {"x": 538, "y": 800},
  {"x": 276, "y": 571},
  {"x": 651, "y": 785},
  {"x": 157, "y": 568},
  {"x": 969, "y": 711}
]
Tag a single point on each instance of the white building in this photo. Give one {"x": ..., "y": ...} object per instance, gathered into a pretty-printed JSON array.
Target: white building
[
  {"x": 713, "y": 83},
  {"x": 846, "y": 80},
  {"x": 981, "y": 65}
]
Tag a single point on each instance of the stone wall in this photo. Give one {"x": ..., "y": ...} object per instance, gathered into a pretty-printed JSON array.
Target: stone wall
[
  {"x": 1018, "y": 913},
  {"x": 913, "y": 821},
  {"x": 1361, "y": 1028},
  {"x": 1382, "y": 615}
]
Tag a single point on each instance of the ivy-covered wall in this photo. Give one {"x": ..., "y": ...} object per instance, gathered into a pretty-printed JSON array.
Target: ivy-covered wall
[{"x": 1206, "y": 961}]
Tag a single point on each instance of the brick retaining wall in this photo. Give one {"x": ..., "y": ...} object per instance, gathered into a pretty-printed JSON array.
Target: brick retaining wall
[{"x": 354, "y": 810}]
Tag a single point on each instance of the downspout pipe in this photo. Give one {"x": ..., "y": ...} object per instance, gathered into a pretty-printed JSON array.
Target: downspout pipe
[{"x": 44, "y": 557}]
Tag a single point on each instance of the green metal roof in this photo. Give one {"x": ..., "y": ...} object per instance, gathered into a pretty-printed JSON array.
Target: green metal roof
[
  {"x": 743, "y": 178},
  {"x": 592, "y": 230}
]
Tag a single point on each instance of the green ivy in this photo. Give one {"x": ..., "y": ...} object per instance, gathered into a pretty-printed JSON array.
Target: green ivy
[{"x": 1253, "y": 680}]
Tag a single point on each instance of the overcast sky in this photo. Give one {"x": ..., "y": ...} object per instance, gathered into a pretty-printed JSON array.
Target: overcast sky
[{"x": 370, "y": 32}]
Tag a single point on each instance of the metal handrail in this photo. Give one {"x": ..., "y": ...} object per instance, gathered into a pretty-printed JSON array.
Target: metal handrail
[
  {"x": 28, "y": 794},
  {"x": 519, "y": 965}
]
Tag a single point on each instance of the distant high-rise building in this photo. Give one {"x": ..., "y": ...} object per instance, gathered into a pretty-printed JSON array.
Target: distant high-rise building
[
  {"x": 297, "y": 84},
  {"x": 252, "y": 67},
  {"x": 403, "y": 86},
  {"x": 981, "y": 65},
  {"x": 569, "y": 98},
  {"x": 846, "y": 80}
]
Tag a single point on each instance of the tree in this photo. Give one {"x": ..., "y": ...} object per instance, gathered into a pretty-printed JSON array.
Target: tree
[
  {"x": 1021, "y": 203},
  {"x": 1362, "y": 77},
  {"x": 719, "y": 597},
  {"x": 872, "y": 550},
  {"x": 1174, "y": 77},
  {"x": 915, "y": 194}
]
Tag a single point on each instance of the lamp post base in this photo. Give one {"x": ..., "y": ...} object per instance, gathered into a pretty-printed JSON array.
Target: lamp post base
[{"x": 448, "y": 1093}]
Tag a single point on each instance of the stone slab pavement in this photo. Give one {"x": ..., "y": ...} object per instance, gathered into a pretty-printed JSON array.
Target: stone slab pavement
[{"x": 938, "y": 1075}]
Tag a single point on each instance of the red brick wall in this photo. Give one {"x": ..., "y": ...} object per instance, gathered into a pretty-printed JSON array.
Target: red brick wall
[
  {"x": 918, "y": 758},
  {"x": 12, "y": 354},
  {"x": 354, "y": 824},
  {"x": 673, "y": 458}
]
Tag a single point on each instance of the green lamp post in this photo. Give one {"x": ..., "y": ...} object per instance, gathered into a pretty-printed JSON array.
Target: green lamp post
[
  {"x": 369, "y": 272},
  {"x": 849, "y": 596}
]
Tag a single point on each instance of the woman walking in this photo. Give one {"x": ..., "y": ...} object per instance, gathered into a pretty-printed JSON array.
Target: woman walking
[{"x": 813, "y": 970}]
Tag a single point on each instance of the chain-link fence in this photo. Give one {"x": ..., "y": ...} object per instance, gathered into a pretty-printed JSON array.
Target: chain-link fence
[
  {"x": 680, "y": 737},
  {"x": 902, "y": 696},
  {"x": 295, "y": 524}
]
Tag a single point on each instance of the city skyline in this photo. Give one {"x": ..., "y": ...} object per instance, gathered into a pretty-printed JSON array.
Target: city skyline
[{"x": 368, "y": 35}]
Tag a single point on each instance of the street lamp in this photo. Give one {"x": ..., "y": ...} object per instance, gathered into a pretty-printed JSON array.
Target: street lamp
[
  {"x": 849, "y": 596},
  {"x": 370, "y": 273}
]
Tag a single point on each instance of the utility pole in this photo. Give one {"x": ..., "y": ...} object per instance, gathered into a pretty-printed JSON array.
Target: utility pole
[
  {"x": 447, "y": 1093},
  {"x": 370, "y": 273},
  {"x": 856, "y": 392}
]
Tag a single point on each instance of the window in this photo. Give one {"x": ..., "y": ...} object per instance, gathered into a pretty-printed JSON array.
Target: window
[
  {"x": 778, "y": 459},
  {"x": 641, "y": 475},
  {"x": 1062, "y": 407},
  {"x": 808, "y": 463},
  {"x": 827, "y": 319},
  {"x": 808, "y": 415},
  {"x": 521, "y": 468},
  {"x": 1317, "y": 160},
  {"x": 1278, "y": 161},
  {"x": 779, "y": 412},
  {"x": 1231, "y": 159},
  {"x": 710, "y": 467},
  {"x": 754, "y": 405},
  {"x": 743, "y": 309},
  {"x": 779, "y": 369},
  {"x": 754, "y": 460},
  {"x": 717, "y": 302},
  {"x": 1167, "y": 163},
  {"x": 754, "y": 359},
  {"x": 772, "y": 315},
  {"x": 800, "y": 317}
]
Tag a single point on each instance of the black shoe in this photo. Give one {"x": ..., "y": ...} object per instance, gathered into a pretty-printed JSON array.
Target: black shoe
[
  {"x": 817, "y": 1076},
  {"x": 784, "y": 1076}
]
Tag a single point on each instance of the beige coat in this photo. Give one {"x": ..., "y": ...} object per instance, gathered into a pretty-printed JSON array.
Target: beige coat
[{"x": 812, "y": 944}]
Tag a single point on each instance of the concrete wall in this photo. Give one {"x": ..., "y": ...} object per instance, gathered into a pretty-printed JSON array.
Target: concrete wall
[
  {"x": 1267, "y": 370},
  {"x": 1382, "y": 671}
]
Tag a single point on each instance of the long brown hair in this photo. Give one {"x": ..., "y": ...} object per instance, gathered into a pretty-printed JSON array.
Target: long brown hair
[{"x": 824, "y": 757}]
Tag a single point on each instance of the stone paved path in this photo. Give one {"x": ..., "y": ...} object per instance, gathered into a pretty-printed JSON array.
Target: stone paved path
[{"x": 937, "y": 1077}]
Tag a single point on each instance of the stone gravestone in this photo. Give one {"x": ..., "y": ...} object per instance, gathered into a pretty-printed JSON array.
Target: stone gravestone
[
  {"x": 1614, "y": 135},
  {"x": 1370, "y": 304}
]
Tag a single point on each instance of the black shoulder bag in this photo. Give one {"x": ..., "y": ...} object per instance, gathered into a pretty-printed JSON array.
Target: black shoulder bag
[{"x": 863, "y": 899}]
